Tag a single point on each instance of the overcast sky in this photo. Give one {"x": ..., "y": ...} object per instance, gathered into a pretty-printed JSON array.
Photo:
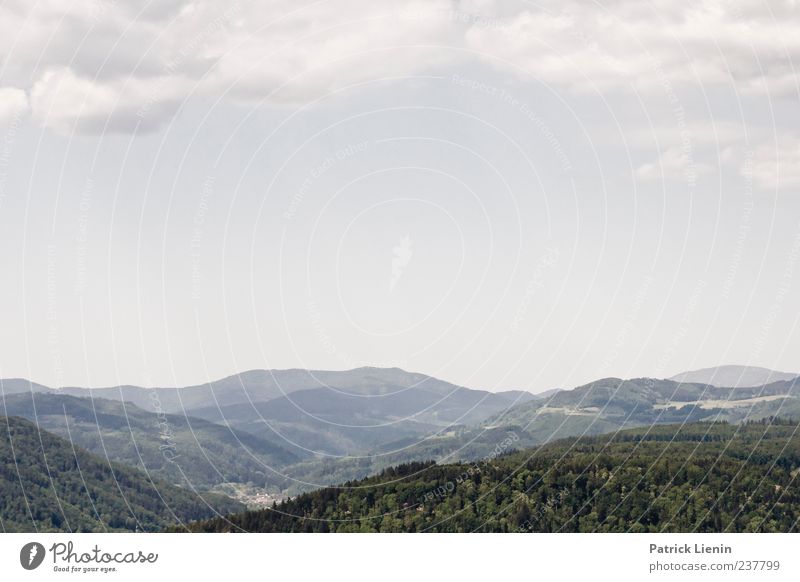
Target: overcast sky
[{"x": 501, "y": 194}]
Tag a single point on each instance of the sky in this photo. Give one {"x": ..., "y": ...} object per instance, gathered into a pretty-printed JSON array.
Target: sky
[{"x": 500, "y": 194}]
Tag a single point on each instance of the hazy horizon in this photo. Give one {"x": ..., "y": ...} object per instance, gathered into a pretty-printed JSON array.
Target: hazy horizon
[{"x": 495, "y": 389}]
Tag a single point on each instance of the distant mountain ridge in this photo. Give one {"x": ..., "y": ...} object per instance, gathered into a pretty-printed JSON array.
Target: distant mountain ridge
[
  {"x": 734, "y": 376},
  {"x": 344, "y": 423},
  {"x": 260, "y": 386},
  {"x": 613, "y": 403},
  {"x": 618, "y": 396}
]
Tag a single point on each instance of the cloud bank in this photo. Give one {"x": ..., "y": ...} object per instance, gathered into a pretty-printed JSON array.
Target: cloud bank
[{"x": 96, "y": 66}]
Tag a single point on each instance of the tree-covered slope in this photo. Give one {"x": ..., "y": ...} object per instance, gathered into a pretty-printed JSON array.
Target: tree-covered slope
[
  {"x": 699, "y": 477},
  {"x": 597, "y": 408},
  {"x": 48, "y": 484},
  {"x": 736, "y": 376},
  {"x": 182, "y": 450}
]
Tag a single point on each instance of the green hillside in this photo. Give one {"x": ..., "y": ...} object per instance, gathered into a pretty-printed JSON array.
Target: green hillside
[
  {"x": 597, "y": 408},
  {"x": 187, "y": 451},
  {"x": 703, "y": 477},
  {"x": 48, "y": 484},
  {"x": 614, "y": 403}
]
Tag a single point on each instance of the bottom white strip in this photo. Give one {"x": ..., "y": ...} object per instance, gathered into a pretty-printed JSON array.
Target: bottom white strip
[{"x": 355, "y": 557}]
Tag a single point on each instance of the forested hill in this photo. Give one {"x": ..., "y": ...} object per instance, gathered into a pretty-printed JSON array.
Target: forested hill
[
  {"x": 704, "y": 477},
  {"x": 179, "y": 449},
  {"x": 47, "y": 484}
]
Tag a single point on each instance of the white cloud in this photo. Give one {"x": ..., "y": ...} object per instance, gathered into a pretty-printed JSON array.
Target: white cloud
[
  {"x": 13, "y": 104},
  {"x": 627, "y": 43},
  {"x": 290, "y": 51},
  {"x": 300, "y": 55},
  {"x": 776, "y": 166},
  {"x": 100, "y": 63},
  {"x": 65, "y": 102}
]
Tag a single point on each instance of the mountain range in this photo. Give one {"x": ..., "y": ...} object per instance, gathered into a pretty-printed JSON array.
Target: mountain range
[
  {"x": 733, "y": 376},
  {"x": 345, "y": 422},
  {"x": 263, "y": 385},
  {"x": 264, "y": 435}
]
